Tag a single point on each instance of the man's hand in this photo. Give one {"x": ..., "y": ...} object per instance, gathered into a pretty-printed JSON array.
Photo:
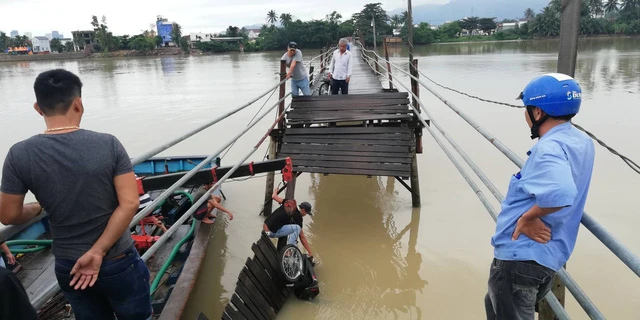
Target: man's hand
[
  {"x": 329, "y": 76},
  {"x": 287, "y": 76},
  {"x": 533, "y": 228},
  {"x": 348, "y": 79},
  {"x": 11, "y": 259},
  {"x": 85, "y": 271}
]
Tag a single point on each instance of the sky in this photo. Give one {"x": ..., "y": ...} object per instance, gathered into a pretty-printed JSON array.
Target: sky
[{"x": 133, "y": 16}]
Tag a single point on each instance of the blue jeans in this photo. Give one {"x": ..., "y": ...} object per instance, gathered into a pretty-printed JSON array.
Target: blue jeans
[
  {"x": 514, "y": 289},
  {"x": 302, "y": 84},
  {"x": 122, "y": 288},
  {"x": 292, "y": 231}
]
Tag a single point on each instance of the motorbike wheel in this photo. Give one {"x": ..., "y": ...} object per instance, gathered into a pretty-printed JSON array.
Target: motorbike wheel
[{"x": 291, "y": 263}]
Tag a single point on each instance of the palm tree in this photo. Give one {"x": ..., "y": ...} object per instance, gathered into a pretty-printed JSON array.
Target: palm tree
[
  {"x": 272, "y": 17},
  {"x": 285, "y": 18},
  {"x": 595, "y": 7},
  {"x": 396, "y": 21},
  {"x": 611, "y": 6},
  {"x": 404, "y": 16},
  {"x": 529, "y": 14}
]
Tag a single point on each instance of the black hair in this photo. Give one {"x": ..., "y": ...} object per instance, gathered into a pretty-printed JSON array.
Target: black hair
[{"x": 55, "y": 91}]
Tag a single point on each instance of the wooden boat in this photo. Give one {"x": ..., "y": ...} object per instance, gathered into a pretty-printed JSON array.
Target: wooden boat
[{"x": 174, "y": 267}]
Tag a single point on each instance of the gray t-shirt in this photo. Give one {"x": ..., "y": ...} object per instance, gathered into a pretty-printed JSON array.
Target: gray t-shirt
[
  {"x": 299, "y": 72},
  {"x": 71, "y": 175}
]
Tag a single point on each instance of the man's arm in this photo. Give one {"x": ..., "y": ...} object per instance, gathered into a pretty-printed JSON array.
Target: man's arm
[
  {"x": 275, "y": 196},
  {"x": 305, "y": 244},
  {"x": 332, "y": 64},
  {"x": 128, "y": 203},
  {"x": 531, "y": 224},
  {"x": 265, "y": 227},
  {"x": 293, "y": 65},
  {"x": 349, "y": 67},
  {"x": 13, "y": 211}
]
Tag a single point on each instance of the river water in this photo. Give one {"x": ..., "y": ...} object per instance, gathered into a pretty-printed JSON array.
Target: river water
[{"x": 379, "y": 258}]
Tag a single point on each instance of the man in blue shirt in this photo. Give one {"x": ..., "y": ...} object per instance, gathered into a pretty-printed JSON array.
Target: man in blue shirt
[{"x": 537, "y": 228}]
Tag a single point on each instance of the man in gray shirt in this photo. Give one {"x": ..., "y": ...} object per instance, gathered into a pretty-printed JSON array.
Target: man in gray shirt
[
  {"x": 85, "y": 181},
  {"x": 297, "y": 72}
]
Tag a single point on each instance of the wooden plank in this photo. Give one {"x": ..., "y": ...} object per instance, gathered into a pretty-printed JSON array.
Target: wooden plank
[
  {"x": 319, "y": 149},
  {"x": 250, "y": 301},
  {"x": 269, "y": 253},
  {"x": 362, "y": 172},
  {"x": 225, "y": 315},
  {"x": 355, "y": 104},
  {"x": 386, "y": 95},
  {"x": 249, "y": 290},
  {"x": 345, "y": 130},
  {"x": 345, "y": 153},
  {"x": 273, "y": 272},
  {"x": 328, "y": 137},
  {"x": 271, "y": 299},
  {"x": 351, "y": 142},
  {"x": 233, "y": 313},
  {"x": 344, "y": 113},
  {"x": 382, "y": 159},
  {"x": 266, "y": 282},
  {"x": 352, "y": 165},
  {"x": 353, "y": 117},
  {"x": 242, "y": 307}
]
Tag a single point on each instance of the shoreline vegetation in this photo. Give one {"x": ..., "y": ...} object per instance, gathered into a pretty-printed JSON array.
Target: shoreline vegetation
[{"x": 599, "y": 18}]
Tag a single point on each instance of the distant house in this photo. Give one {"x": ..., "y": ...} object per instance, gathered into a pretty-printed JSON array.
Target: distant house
[
  {"x": 207, "y": 37},
  {"x": 83, "y": 38},
  {"x": 41, "y": 45},
  {"x": 253, "y": 34},
  {"x": 510, "y": 25}
]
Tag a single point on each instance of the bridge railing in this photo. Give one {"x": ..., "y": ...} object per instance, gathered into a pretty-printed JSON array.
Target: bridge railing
[{"x": 623, "y": 253}]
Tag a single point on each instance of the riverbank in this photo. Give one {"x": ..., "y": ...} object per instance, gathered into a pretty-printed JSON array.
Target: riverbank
[{"x": 82, "y": 55}]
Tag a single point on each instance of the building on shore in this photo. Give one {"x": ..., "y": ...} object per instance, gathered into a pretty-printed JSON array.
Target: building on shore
[
  {"x": 194, "y": 38},
  {"x": 82, "y": 39},
  {"x": 164, "y": 28},
  {"x": 29, "y": 35},
  {"x": 40, "y": 45},
  {"x": 14, "y": 33}
]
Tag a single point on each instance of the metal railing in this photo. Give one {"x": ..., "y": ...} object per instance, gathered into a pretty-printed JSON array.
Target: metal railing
[{"x": 623, "y": 253}]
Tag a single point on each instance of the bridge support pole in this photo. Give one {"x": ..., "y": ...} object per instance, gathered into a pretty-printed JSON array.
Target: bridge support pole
[
  {"x": 567, "y": 56},
  {"x": 415, "y": 181},
  {"x": 273, "y": 146},
  {"x": 386, "y": 57}
]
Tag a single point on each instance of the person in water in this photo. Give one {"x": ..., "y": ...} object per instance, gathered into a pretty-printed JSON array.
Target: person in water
[{"x": 538, "y": 225}]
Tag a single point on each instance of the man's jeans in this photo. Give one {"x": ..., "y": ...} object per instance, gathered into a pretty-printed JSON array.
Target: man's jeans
[
  {"x": 339, "y": 85},
  {"x": 514, "y": 289},
  {"x": 292, "y": 231},
  {"x": 302, "y": 84},
  {"x": 122, "y": 288}
]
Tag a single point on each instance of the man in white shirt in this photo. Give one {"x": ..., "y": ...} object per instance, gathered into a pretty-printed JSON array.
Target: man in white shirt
[{"x": 340, "y": 69}]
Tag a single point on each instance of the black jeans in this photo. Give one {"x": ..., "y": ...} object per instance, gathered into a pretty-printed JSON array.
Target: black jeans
[
  {"x": 341, "y": 85},
  {"x": 514, "y": 289}
]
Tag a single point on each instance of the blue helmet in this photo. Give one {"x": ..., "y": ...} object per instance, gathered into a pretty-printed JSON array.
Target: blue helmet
[{"x": 555, "y": 93}]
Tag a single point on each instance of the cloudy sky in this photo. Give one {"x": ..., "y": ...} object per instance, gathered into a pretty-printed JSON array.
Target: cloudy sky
[{"x": 133, "y": 16}]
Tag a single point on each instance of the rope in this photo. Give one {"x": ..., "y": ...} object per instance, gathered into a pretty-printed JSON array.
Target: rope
[{"x": 632, "y": 164}]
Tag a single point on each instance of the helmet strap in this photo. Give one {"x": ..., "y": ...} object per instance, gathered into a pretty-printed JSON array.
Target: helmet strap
[{"x": 535, "y": 125}]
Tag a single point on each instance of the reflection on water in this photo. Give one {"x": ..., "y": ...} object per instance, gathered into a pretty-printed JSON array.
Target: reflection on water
[{"x": 366, "y": 266}]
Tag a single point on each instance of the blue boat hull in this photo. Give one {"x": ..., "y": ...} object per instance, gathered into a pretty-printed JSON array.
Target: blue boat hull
[{"x": 164, "y": 165}]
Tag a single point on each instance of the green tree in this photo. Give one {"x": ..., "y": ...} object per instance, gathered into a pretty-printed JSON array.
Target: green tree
[
  {"x": 142, "y": 43},
  {"x": 158, "y": 41},
  {"x": 470, "y": 23},
  {"x": 285, "y": 18},
  {"x": 529, "y": 14},
  {"x": 334, "y": 17},
  {"x": 232, "y": 31},
  {"x": 396, "y": 21},
  {"x": 272, "y": 17},
  {"x": 5, "y": 41},
  {"x": 176, "y": 33},
  {"x": 596, "y": 7},
  {"x": 372, "y": 12},
  {"x": 611, "y": 6},
  {"x": 68, "y": 47},
  {"x": 450, "y": 30},
  {"x": 487, "y": 25},
  {"x": 184, "y": 44},
  {"x": 103, "y": 36},
  {"x": 56, "y": 45}
]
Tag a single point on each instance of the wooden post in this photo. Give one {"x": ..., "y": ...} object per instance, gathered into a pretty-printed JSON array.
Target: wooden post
[
  {"x": 386, "y": 57},
  {"x": 377, "y": 64},
  {"x": 410, "y": 29},
  {"x": 415, "y": 182},
  {"x": 569, "y": 31},
  {"x": 373, "y": 23},
  {"x": 273, "y": 147},
  {"x": 291, "y": 187},
  {"x": 415, "y": 88},
  {"x": 567, "y": 55},
  {"x": 322, "y": 59}
]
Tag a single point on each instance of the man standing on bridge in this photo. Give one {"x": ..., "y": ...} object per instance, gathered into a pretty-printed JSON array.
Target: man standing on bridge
[
  {"x": 340, "y": 68},
  {"x": 297, "y": 72},
  {"x": 286, "y": 221},
  {"x": 538, "y": 225},
  {"x": 86, "y": 182}
]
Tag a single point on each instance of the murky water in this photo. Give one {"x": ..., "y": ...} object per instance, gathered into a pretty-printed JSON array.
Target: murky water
[{"x": 378, "y": 257}]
